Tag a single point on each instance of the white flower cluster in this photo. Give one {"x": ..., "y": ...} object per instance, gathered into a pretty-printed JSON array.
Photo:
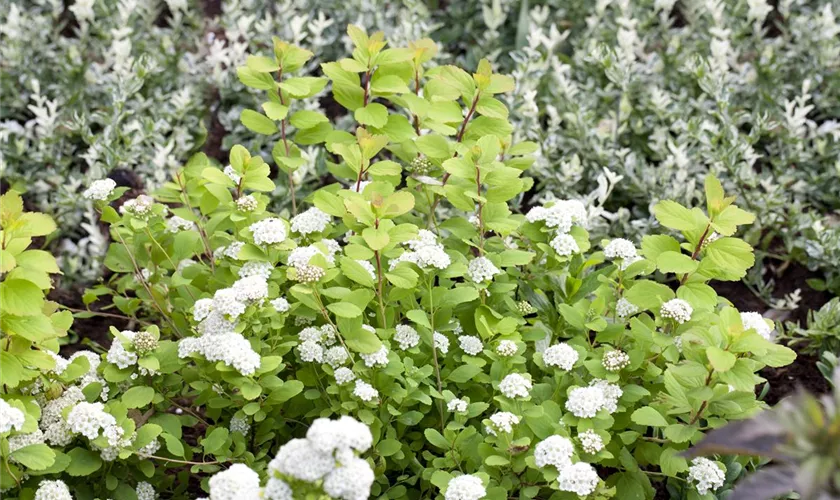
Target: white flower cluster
[
  {"x": 465, "y": 487},
  {"x": 562, "y": 356},
  {"x": 310, "y": 221},
  {"x": 230, "y": 348},
  {"x": 368, "y": 267},
  {"x": 316, "y": 342},
  {"x": 624, "y": 308},
  {"x": 425, "y": 252},
  {"x": 280, "y": 304},
  {"x": 481, "y": 269},
  {"x": 118, "y": 354},
  {"x": 470, "y": 344},
  {"x": 268, "y": 231},
  {"x": 623, "y": 250},
  {"x": 754, "y": 320},
  {"x": 145, "y": 491},
  {"x": 515, "y": 385},
  {"x": 378, "y": 358},
  {"x": 554, "y": 450},
  {"x": 56, "y": 430},
  {"x": 565, "y": 244},
  {"x": 246, "y": 203},
  {"x": 328, "y": 454},
  {"x": 708, "y": 475},
  {"x": 177, "y": 224},
  {"x": 239, "y": 425},
  {"x": 507, "y": 348},
  {"x": 100, "y": 190},
  {"x": 343, "y": 375},
  {"x": 676, "y": 309},
  {"x": 256, "y": 268},
  {"x": 237, "y": 482},
  {"x": 23, "y": 440},
  {"x": 88, "y": 419},
  {"x": 586, "y": 402},
  {"x": 10, "y": 417},
  {"x": 407, "y": 337},
  {"x": 441, "y": 342},
  {"x": 53, "y": 490},
  {"x": 138, "y": 207},
  {"x": 365, "y": 391},
  {"x": 502, "y": 421},
  {"x": 614, "y": 361},
  {"x": 457, "y": 406},
  {"x": 580, "y": 478},
  {"x": 561, "y": 215},
  {"x": 299, "y": 257},
  {"x": 591, "y": 441}
]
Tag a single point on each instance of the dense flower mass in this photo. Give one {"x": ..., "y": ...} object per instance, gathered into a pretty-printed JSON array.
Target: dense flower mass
[
  {"x": 580, "y": 478},
  {"x": 554, "y": 450},
  {"x": 100, "y": 190},
  {"x": 53, "y": 490},
  {"x": 407, "y": 337},
  {"x": 310, "y": 221},
  {"x": 268, "y": 231},
  {"x": 481, "y": 269},
  {"x": 515, "y": 386},
  {"x": 10, "y": 417},
  {"x": 755, "y": 321},
  {"x": 676, "y": 309},
  {"x": 465, "y": 487},
  {"x": 562, "y": 356},
  {"x": 471, "y": 344},
  {"x": 426, "y": 252},
  {"x": 707, "y": 475}
]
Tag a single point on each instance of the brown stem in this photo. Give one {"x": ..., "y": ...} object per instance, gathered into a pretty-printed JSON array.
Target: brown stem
[
  {"x": 458, "y": 138},
  {"x": 696, "y": 251},
  {"x": 286, "y": 144}
]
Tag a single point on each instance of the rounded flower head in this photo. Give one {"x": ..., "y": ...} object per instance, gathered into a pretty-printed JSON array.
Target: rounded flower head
[
  {"x": 268, "y": 231},
  {"x": 145, "y": 491},
  {"x": 515, "y": 386},
  {"x": 365, "y": 391},
  {"x": 465, "y": 487},
  {"x": 407, "y": 337},
  {"x": 580, "y": 478},
  {"x": 239, "y": 425},
  {"x": 177, "y": 224},
  {"x": 53, "y": 490},
  {"x": 343, "y": 434},
  {"x": 256, "y": 268},
  {"x": 502, "y": 421},
  {"x": 350, "y": 481},
  {"x": 300, "y": 460},
  {"x": 100, "y": 190},
  {"x": 471, "y": 344},
  {"x": 554, "y": 450},
  {"x": 441, "y": 342},
  {"x": 246, "y": 203},
  {"x": 591, "y": 441},
  {"x": 457, "y": 406},
  {"x": 707, "y": 475},
  {"x": 343, "y": 375},
  {"x": 277, "y": 489},
  {"x": 481, "y": 269},
  {"x": 311, "y": 221},
  {"x": 620, "y": 248},
  {"x": 585, "y": 402},
  {"x": 378, "y": 358},
  {"x": 624, "y": 308},
  {"x": 562, "y": 356},
  {"x": 615, "y": 360},
  {"x": 565, "y": 245},
  {"x": 676, "y": 309},
  {"x": 239, "y": 481},
  {"x": 280, "y": 304},
  {"x": 507, "y": 348},
  {"x": 754, "y": 320},
  {"x": 10, "y": 417}
]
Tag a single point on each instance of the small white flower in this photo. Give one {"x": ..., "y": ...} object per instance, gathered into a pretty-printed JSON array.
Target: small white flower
[
  {"x": 590, "y": 441},
  {"x": 457, "y": 406},
  {"x": 565, "y": 245},
  {"x": 554, "y": 450},
  {"x": 268, "y": 231},
  {"x": 343, "y": 375},
  {"x": 580, "y": 478},
  {"x": 622, "y": 249},
  {"x": 624, "y": 308},
  {"x": 100, "y": 190},
  {"x": 615, "y": 360},
  {"x": 407, "y": 337},
  {"x": 707, "y": 474},
  {"x": 139, "y": 207},
  {"x": 237, "y": 482},
  {"x": 471, "y": 344},
  {"x": 676, "y": 309},
  {"x": 177, "y": 224},
  {"x": 53, "y": 490},
  {"x": 310, "y": 221},
  {"x": 256, "y": 268},
  {"x": 247, "y": 203},
  {"x": 562, "y": 356},
  {"x": 239, "y": 425},
  {"x": 349, "y": 481},
  {"x": 507, "y": 348},
  {"x": 515, "y": 386},
  {"x": 335, "y": 356},
  {"x": 365, "y": 391},
  {"x": 231, "y": 173},
  {"x": 481, "y": 269},
  {"x": 585, "y": 402},
  {"x": 280, "y": 304},
  {"x": 754, "y": 320},
  {"x": 378, "y": 358},
  {"x": 465, "y": 487},
  {"x": 502, "y": 421},
  {"x": 441, "y": 342},
  {"x": 10, "y": 417},
  {"x": 311, "y": 351}
]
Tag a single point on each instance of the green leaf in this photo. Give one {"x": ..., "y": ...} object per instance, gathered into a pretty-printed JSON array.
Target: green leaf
[
  {"x": 363, "y": 341},
  {"x": 388, "y": 447},
  {"x": 275, "y": 110},
  {"x": 714, "y": 195},
  {"x": 257, "y": 122},
  {"x": 675, "y": 262},
  {"x": 727, "y": 222},
  {"x": 731, "y": 256},
  {"x": 21, "y": 297},
  {"x": 255, "y": 79},
  {"x": 307, "y": 119},
  {"x": 376, "y": 237},
  {"x": 83, "y": 462},
  {"x": 402, "y": 277},
  {"x": 460, "y": 295},
  {"x": 721, "y": 360},
  {"x": 287, "y": 391},
  {"x": 173, "y": 444},
  {"x": 675, "y": 216},
  {"x": 374, "y": 114},
  {"x": 496, "y": 461},
  {"x": 491, "y": 107},
  {"x": 647, "y": 415},
  {"x": 262, "y": 64},
  {"x": 215, "y": 440},
  {"x": 356, "y": 272},
  {"x": 34, "y": 328},
  {"x": 778, "y": 355},
  {"x": 463, "y": 373},
  {"x": 138, "y": 396},
  {"x": 680, "y": 433},
  {"x": 509, "y": 258},
  {"x": 433, "y": 146},
  {"x": 671, "y": 463},
  {"x": 35, "y": 456},
  {"x": 345, "y": 309},
  {"x": 418, "y": 316},
  {"x": 649, "y": 295}
]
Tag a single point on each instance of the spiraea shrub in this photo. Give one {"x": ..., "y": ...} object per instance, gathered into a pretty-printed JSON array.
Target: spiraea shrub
[{"x": 402, "y": 333}]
